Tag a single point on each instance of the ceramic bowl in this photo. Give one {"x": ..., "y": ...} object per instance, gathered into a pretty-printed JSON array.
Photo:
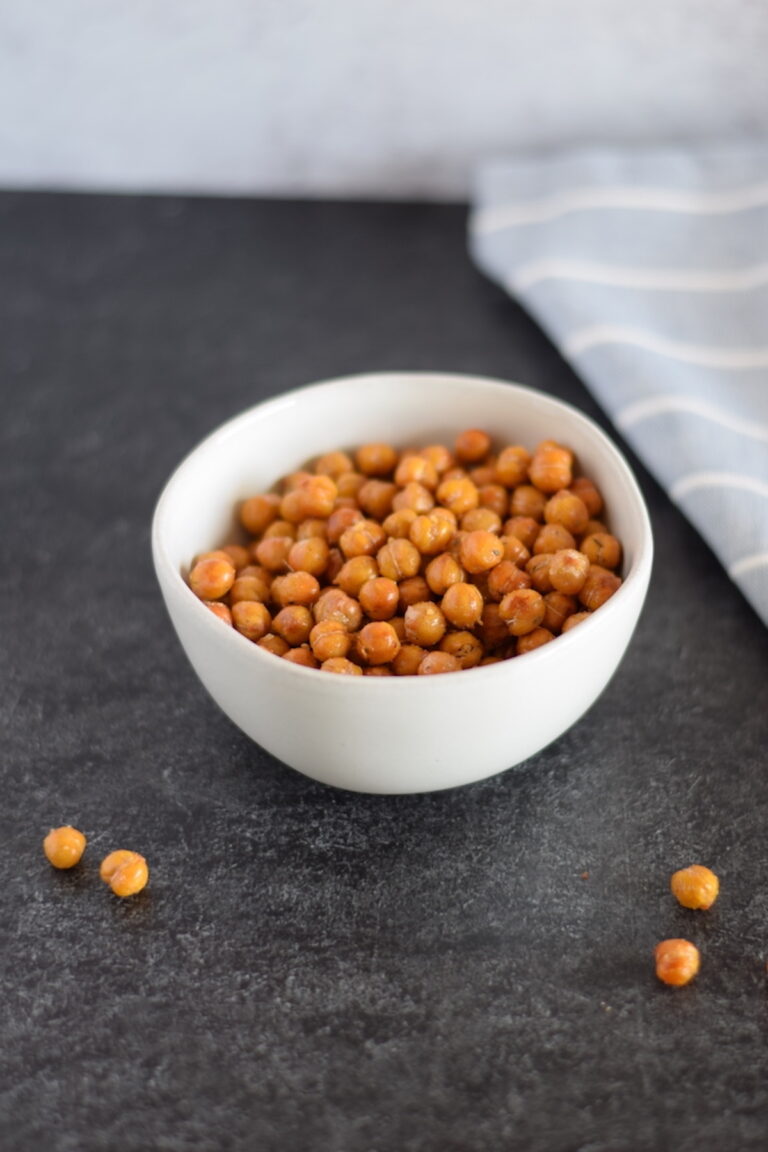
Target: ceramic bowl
[{"x": 393, "y": 734}]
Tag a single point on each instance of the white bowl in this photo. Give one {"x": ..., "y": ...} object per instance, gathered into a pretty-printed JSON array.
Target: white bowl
[{"x": 393, "y": 734}]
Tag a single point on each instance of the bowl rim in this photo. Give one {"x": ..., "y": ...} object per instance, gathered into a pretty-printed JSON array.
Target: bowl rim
[{"x": 640, "y": 570}]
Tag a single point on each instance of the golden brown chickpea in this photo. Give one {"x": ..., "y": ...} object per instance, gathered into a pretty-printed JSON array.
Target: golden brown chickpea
[
  {"x": 220, "y": 610},
  {"x": 594, "y": 528},
  {"x": 424, "y": 623},
  {"x": 341, "y": 666},
  {"x": 440, "y": 513},
  {"x": 439, "y": 457},
  {"x": 695, "y": 887},
  {"x": 258, "y": 512},
  {"x": 312, "y": 527},
  {"x": 301, "y": 655},
  {"x": 335, "y": 564},
  {"x": 495, "y": 498},
  {"x": 525, "y": 528},
  {"x": 677, "y": 962},
  {"x": 239, "y": 556},
  {"x": 317, "y": 495},
  {"x": 125, "y": 872},
  {"x": 416, "y": 469},
  {"x": 558, "y": 607},
  {"x": 362, "y": 539},
  {"x": 512, "y": 466},
  {"x": 291, "y": 507},
  {"x": 348, "y": 485},
  {"x": 551, "y": 467},
  {"x": 217, "y": 554},
  {"x": 442, "y": 572},
  {"x": 567, "y": 509},
  {"x": 483, "y": 474},
  {"x": 355, "y": 573},
  {"x": 531, "y": 640},
  {"x": 431, "y": 534},
  {"x": 528, "y": 502},
  {"x": 459, "y": 495},
  {"x": 438, "y": 662},
  {"x": 293, "y": 479},
  {"x": 272, "y": 553},
  {"x": 598, "y": 587},
  {"x": 522, "y": 610},
  {"x": 333, "y": 604},
  {"x": 274, "y": 644},
  {"x": 309, "y": 555},
  {"x": 333, "y": 464},
  {"x": 378, "y": 670},
  {"x": 340, "y": 520},
  {"x": 251, "y": 618},
  {"x": 462, "y": 605},
  {"x": 398, "y": 524},
  {"x": 329, "y": 639},
  {"x": 506, "y": 577},
  {"x": 538, "y": 570},
  {"x": 603, "y": 549},
  {"x": 464, "y": 646},
  {"x": 472, "y": 445},
  {"x": 412, "y": 591},
  {"x": 480, "y": 551},
  {"x": 456, "y": 472},
  {"x": 212, "y": 579},
  {"x": 568, "y": 571},
  {"x": 280, "y": 528},
  {"x": 379, "y": 598},
  {"x": 589, "y": 494},
  {"x": 492, "y": 630},
  {"x": 64, "y": 846},
  {"x": 294, "y": 623},
  {"x": 407, "y": 661},
  {"x": 481, "y": 520},
  {"x": 377, "y": 643},
  {"x": 573, "y": 620},
  {"x": 398, "y": 560},
  {"x": 515, "y": 550},
  {"x": 553, "y": 538},
  {"x": 295, "y": 588},
  {"x": 398, "y": 623},
  {"x": 375, "y": 498},
  {"x": 376, "y": 459},
  {"x": 414, "y": 496},
  {"x": 250, "y": 588}
]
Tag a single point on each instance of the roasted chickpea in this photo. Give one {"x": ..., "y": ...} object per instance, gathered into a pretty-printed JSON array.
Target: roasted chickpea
[
  {"x": 125, "y": 872},
  {"x": 528, "y": 502},
  {"x": 398, "y": 559},
  {"x": 593, "y": 528},
  {"x": 251, "y": 618},
  {"x": 439, "y": 457},
  {"x": 558, "y": 607},
  {"x": 551, "y": 467},
  {"x": 362, "y": 539},
  {"x": 291, "y": 507},
  {"x": 531, "y": 640},
  {"x": 379, "y": 598},
  {"x": 333, "y": 604},
  {"x": 64, "y": 846},
  {"x": 329, "y": 639},
  {"x": 250, "y": 588},
  {"x": 525, "y": 528},
  {"x": 677, "y": 962},
  {"x": 398, "y": 524},
  {"x": 480, "y": 551},
  {"x": 598, "y": 587},
  {"x": 472, "y": 445},
  {"x": 462, "y": 605},
  {"x": 398, "y": 623},
  {"x": 378, "y": 670},
  {"x": 412, "y": 591},
  {"x": 274, "y": 644},
  {"x": 416, "y": 469},
  {"x": 294, "y": 623},
  {"x": 295, "y": 588},
  {"x": 258, "y": 512},
  {"x": 512, "y": 466},
  {"x": 465, "y": 646},
  {"x": 238, "y": 554},
  {"x": 272, "y": 553},
  {"x": 573, "y": 620},
  {"x": 481, "y": 520},
  {"x": 522, "y": 610},
  {"x": 553, "y": 538},
  {"x": 340, "y": 520},
  {"x": 602, "y": 549},
  {"x": 280, "y": 528},
  {"x": 424, "y": 623},
  {"x": 431, "y": 534},
  {"x": 333, "y": 464},
  {"x": 212, "y": 579},
  {"x": 695, "y": 887},
  {"x": 538, "y": 570},
  {"x": 442, "y": 572},
  {"x": 437, "y": 662},
  {"x": 407, "y": 661},
  {"x": 355, "y": 573},
  {"x": 312, "y": 527},
  {"x": 515, "y": 550},
  {"x": 484, "y": 473},
  {"x": 492, "y": 630},
  {"x": 506, "y": 577},
  {"x": 294, "y": 479},
  {"x": 495, "y": 498},
  {"x": 568, "y": 571},
  {"x": 414, "y": 496},
  {"x": 375, "y": 498},
  {"x": 309, "y": 555},
  {"x": 341, "y": 666},
  {"x": 459, "y": 495},
  {"x": 301, "y": 655},
  {"x": 567, "y": 509},
  {"x": 376, "y": 459},
  {"x": 378, "y": 643},
  {"x": 589, "y": 494},
  {"x": 348, "y": 485},
  {"x": 220, "y": 610}
]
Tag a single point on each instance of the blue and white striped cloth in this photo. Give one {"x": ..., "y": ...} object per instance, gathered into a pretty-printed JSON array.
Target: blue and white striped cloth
[{"x": 649, "y": 270}]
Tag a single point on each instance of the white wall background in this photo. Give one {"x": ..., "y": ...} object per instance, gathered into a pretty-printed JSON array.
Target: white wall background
[{"x": 350, "y": 97}]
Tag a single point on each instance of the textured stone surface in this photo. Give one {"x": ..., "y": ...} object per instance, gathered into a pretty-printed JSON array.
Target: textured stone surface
[{"x": 311, "y": 969}]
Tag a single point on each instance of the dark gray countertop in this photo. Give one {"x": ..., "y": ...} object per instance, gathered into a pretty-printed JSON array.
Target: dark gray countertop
[{"x": 310, "y": 969}]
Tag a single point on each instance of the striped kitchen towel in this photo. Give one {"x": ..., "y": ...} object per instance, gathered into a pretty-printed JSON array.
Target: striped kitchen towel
[{"x": 649, "y": 270}]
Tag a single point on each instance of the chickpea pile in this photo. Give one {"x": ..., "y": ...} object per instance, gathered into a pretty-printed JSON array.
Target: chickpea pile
[{"x": 386, "y": 563}]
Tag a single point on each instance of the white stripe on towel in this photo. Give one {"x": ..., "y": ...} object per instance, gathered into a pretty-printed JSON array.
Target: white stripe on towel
[
  {"x": 747, "y": 563},
  {"x": 499, "y": 216},
  {"x": 708, "y": 356},
  {"x": 695, "y": 480},
  {"x": 652, "y": 279},
  {"x": 656, "y": 405}
]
